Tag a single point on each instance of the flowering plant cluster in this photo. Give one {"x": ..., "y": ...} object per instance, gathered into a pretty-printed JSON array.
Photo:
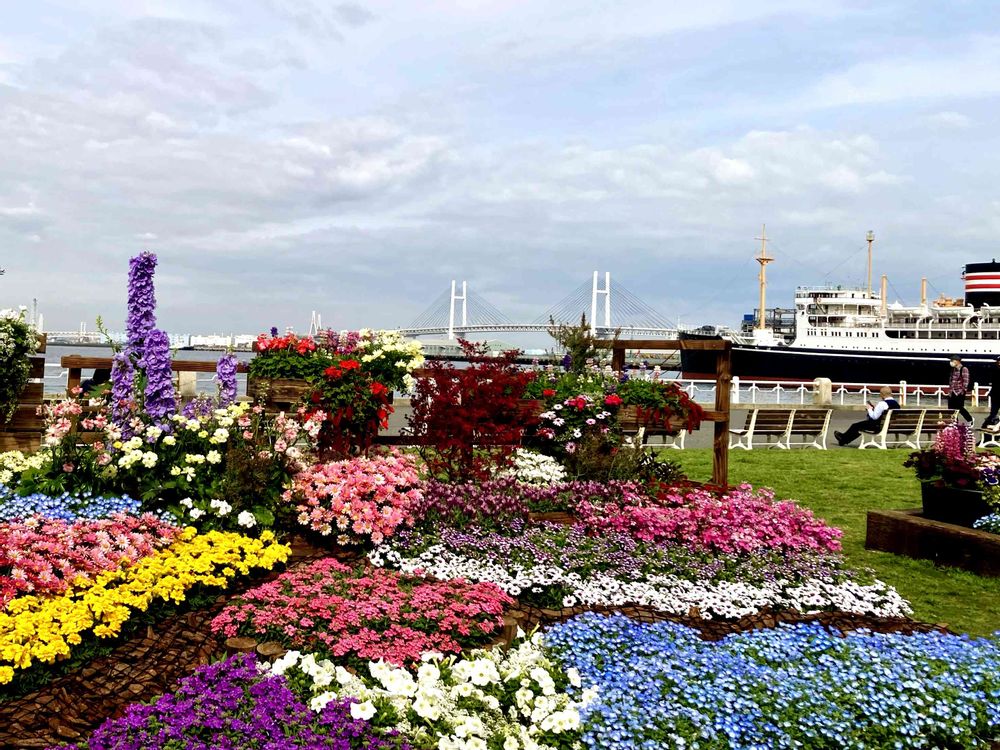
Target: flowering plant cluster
[
  {"x": 64, "y": 507},
  {"x": 532, "y": 467},
  {"x": 507, "y": 699},
  {"x": 989, "y": 523},
  {"x": 15, "y": 463},
  {"x": 355, "y": 615},
  {"x": 497, "y": 502},
  {"x": 45, "y": 556},
  {"x": 44, "y": 629},
  {"x": 567, "y": 423},
  {"x": 351, "y": 375},
  {"x": 18, "y": 341},
  {"x": 587, "y": 575},
  {"x": 951, "y": 460},
  {"x": 789, "y": 687},
  {"x": 236, "y": 705},
  {"x": 661, "y": 404},
  {"x": 737, "y": 521},
  {"x": 360, "y": 499}
]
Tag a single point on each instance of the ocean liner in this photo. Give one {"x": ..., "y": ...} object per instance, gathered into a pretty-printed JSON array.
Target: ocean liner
[{"x": 851, "y": 334}]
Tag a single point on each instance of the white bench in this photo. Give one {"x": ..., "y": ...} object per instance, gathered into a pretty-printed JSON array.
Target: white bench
[
  {"x": 907, "y": 427},
  {"x": 989, "y": 439},
  {"x": 783, "y": 424}
]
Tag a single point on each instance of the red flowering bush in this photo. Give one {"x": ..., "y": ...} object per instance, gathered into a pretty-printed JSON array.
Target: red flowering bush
[
  {"x": 471, "y": 418},
  {"x": 740, "y": 520},
  {"x": 362, "y": 614},
  {"x": 362, "y": 499}
]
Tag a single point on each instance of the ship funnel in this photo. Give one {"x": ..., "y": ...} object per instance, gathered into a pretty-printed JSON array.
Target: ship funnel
[
  {"x": 982, "y": 284},
  {"x": 884, "y": 291}
]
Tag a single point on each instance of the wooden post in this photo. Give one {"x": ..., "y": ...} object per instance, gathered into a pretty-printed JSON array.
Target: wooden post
[
  {"x": 723, "y": 383},
  {"x": 618, "y": 359}
]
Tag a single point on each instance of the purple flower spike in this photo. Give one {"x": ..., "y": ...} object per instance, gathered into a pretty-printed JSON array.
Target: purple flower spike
[
  {"x": 160, "y": 402},
  {"x": 122, "y": 388},
  {"x": 141, "y": 301},
  {"x": 225, "y": 373}
]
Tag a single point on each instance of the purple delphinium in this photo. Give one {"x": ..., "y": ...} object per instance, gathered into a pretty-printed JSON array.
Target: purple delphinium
[
  {"x": 160, "y": 402},
  {"x": 200, "y": 406},
  {"x": 122, "y": 388},
  {"x": 225, "y": 373},
  {"x": 141, "y": 302},
  {"x": 231, "y": 706}
]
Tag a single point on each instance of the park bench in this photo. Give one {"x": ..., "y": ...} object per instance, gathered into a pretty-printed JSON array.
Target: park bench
[
  {"x": 988, "y": 438},
  {"x": 907, "y": 427},
  {"x": 783, "y": 424}
]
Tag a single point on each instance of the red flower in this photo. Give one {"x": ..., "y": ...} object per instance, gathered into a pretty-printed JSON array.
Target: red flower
[
  {"x": 549, "y": 392},
  {"x": 378, "y": 389},
  {"x": 333, "y": 372},
  {"x": 613, "y": 399},
  {"x": 350, "y": 364}
]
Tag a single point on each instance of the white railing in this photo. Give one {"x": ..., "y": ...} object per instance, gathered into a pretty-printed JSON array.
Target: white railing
[
  {"x": 800, "y": 392},
  {"x": 56, "y": 376}
]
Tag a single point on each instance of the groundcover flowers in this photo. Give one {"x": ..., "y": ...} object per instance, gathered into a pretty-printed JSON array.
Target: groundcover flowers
[
  {"x": 231, "y": 705},
  {"x": 67, "y": 506},
  {"x": 789, "y": 687},
  {"x": 498, "y": 698},
  {"x": 45, "y": 628},
  {"x": 354, "y": 615}
]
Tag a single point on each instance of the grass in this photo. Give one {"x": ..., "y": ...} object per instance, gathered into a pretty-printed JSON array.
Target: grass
[{"x": 841, "y": 486}]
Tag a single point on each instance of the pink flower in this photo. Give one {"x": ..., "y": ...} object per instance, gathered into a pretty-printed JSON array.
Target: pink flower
[{"x": 68, "y": 468}]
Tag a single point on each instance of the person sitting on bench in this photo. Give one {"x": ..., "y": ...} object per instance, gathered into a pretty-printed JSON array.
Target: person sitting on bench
[{"x": 873, "y": 422}]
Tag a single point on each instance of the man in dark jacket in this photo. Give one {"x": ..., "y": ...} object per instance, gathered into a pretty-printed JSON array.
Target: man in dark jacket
[
  {"x": 873, "y": 422},
  {"x": 958, "y": 389}
]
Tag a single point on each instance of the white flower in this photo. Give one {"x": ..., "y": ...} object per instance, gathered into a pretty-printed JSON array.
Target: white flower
[
  {"x": 573, "y": 675},
  {"x": 187, "y": 502},
  {"x": 213, "y": 457},
  {"x": 364, "y": 710},
  {"x": 170, "y": 440},
  {"x": 246, "y": 519},
  {"x": 196, "y": 513},
  {"x": 149, "y": 459}
]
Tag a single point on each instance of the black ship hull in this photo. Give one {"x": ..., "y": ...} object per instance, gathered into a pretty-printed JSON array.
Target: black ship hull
[{"x": 841, "y": 366}]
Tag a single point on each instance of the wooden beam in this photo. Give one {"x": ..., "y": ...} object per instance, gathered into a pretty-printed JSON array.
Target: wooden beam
[
  {"x": 670, "y": 345},
  {"x": 723, "y": 384},
  {"x": 74, "y": 361}
]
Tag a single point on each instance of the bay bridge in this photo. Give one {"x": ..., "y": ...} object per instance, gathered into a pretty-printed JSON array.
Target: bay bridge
[{"x": 609, "y": 308}]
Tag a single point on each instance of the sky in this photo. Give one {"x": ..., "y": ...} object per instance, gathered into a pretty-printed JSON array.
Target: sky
[{"x": 284, "y": 156}]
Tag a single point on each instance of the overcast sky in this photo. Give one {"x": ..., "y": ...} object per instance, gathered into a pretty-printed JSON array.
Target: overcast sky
[{"x": 282, "y": 156}]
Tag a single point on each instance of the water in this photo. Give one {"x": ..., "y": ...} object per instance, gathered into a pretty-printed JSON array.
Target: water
[{"x": 55, "y": 373}]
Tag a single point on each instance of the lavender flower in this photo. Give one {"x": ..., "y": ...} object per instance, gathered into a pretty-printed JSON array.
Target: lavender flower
[
  {"x": 141, "y": 302},
  {"x": 160, "y": 402},
  {"x": 122, "y": 388},
  {"x": 225, "y": 373}
]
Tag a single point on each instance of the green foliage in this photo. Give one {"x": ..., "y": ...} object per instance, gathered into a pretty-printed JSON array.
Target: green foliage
[
  {"x": 578, "y": 342},
  {"x": 18, "y": 341}
]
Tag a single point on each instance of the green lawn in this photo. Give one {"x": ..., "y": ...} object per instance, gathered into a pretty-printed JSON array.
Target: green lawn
[{"x": 841, "y": 486}]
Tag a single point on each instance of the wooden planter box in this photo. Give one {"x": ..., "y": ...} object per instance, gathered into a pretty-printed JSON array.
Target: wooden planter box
[
  {"x": 630, "y": 421},
  {"x": 952, "y": 504},
  {"x": 907, "y": 532},
  {"x": 279, "y": 394}
]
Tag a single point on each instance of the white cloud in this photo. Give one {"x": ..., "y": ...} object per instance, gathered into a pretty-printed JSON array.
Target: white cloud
[{"x": 949, "y": 120}]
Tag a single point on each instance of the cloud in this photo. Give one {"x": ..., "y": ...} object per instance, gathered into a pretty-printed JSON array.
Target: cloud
[
  {"x": 949, "y": 121},
  {"x": 969, "y": 68}
]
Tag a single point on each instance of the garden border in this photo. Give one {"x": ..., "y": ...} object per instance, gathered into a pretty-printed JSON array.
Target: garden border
[{"x": 908, "y": 533}]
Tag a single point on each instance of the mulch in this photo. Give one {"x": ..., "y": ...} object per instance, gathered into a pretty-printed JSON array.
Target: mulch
[{"x": 148, "y": 665}]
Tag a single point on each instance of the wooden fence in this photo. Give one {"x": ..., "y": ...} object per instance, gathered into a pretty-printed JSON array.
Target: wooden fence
[{"x": 23, "y": 431}]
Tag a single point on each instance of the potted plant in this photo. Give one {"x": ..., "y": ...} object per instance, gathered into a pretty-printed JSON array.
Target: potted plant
[
  {"x": 659, "y": 406},
  {"x": 958, "y": 485}
]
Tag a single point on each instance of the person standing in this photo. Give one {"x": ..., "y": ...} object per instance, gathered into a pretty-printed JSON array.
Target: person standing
[
  {"x": 958, "y": 388},
  {"x": 873, "y": 421},
  {"x": 992, "y": 424}
]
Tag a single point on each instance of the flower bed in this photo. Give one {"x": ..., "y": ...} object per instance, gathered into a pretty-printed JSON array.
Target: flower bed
[
  {"x": 354, "y": 615},
  {"x": 44, "y": 629},
  {"x": 231, "y": 705},
  {"x": 360, "y": 500},
  {"x": 495, "y": 698},
  {"x": 790, "y": 687},
  {"x": 44, "y": 556},
  {"x": 66, "y": 506},
  {"x": 742, "y": 520}
]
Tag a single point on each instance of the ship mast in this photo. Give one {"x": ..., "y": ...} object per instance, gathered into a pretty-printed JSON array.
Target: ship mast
[
  {"x": 871, "y": 238},
  {"x": 763, "y": 259}
]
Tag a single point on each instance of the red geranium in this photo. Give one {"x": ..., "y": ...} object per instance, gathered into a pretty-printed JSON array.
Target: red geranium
[
  {"x": 612, "y": 400},
  {"x": 549, "y": 392}
]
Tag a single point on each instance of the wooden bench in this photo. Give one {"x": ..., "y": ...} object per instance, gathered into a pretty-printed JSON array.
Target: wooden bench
[
  {"x": 23, "y": 431},
  {"x": 783, "y": 424},
  {"x": 907, "y": 426}
]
